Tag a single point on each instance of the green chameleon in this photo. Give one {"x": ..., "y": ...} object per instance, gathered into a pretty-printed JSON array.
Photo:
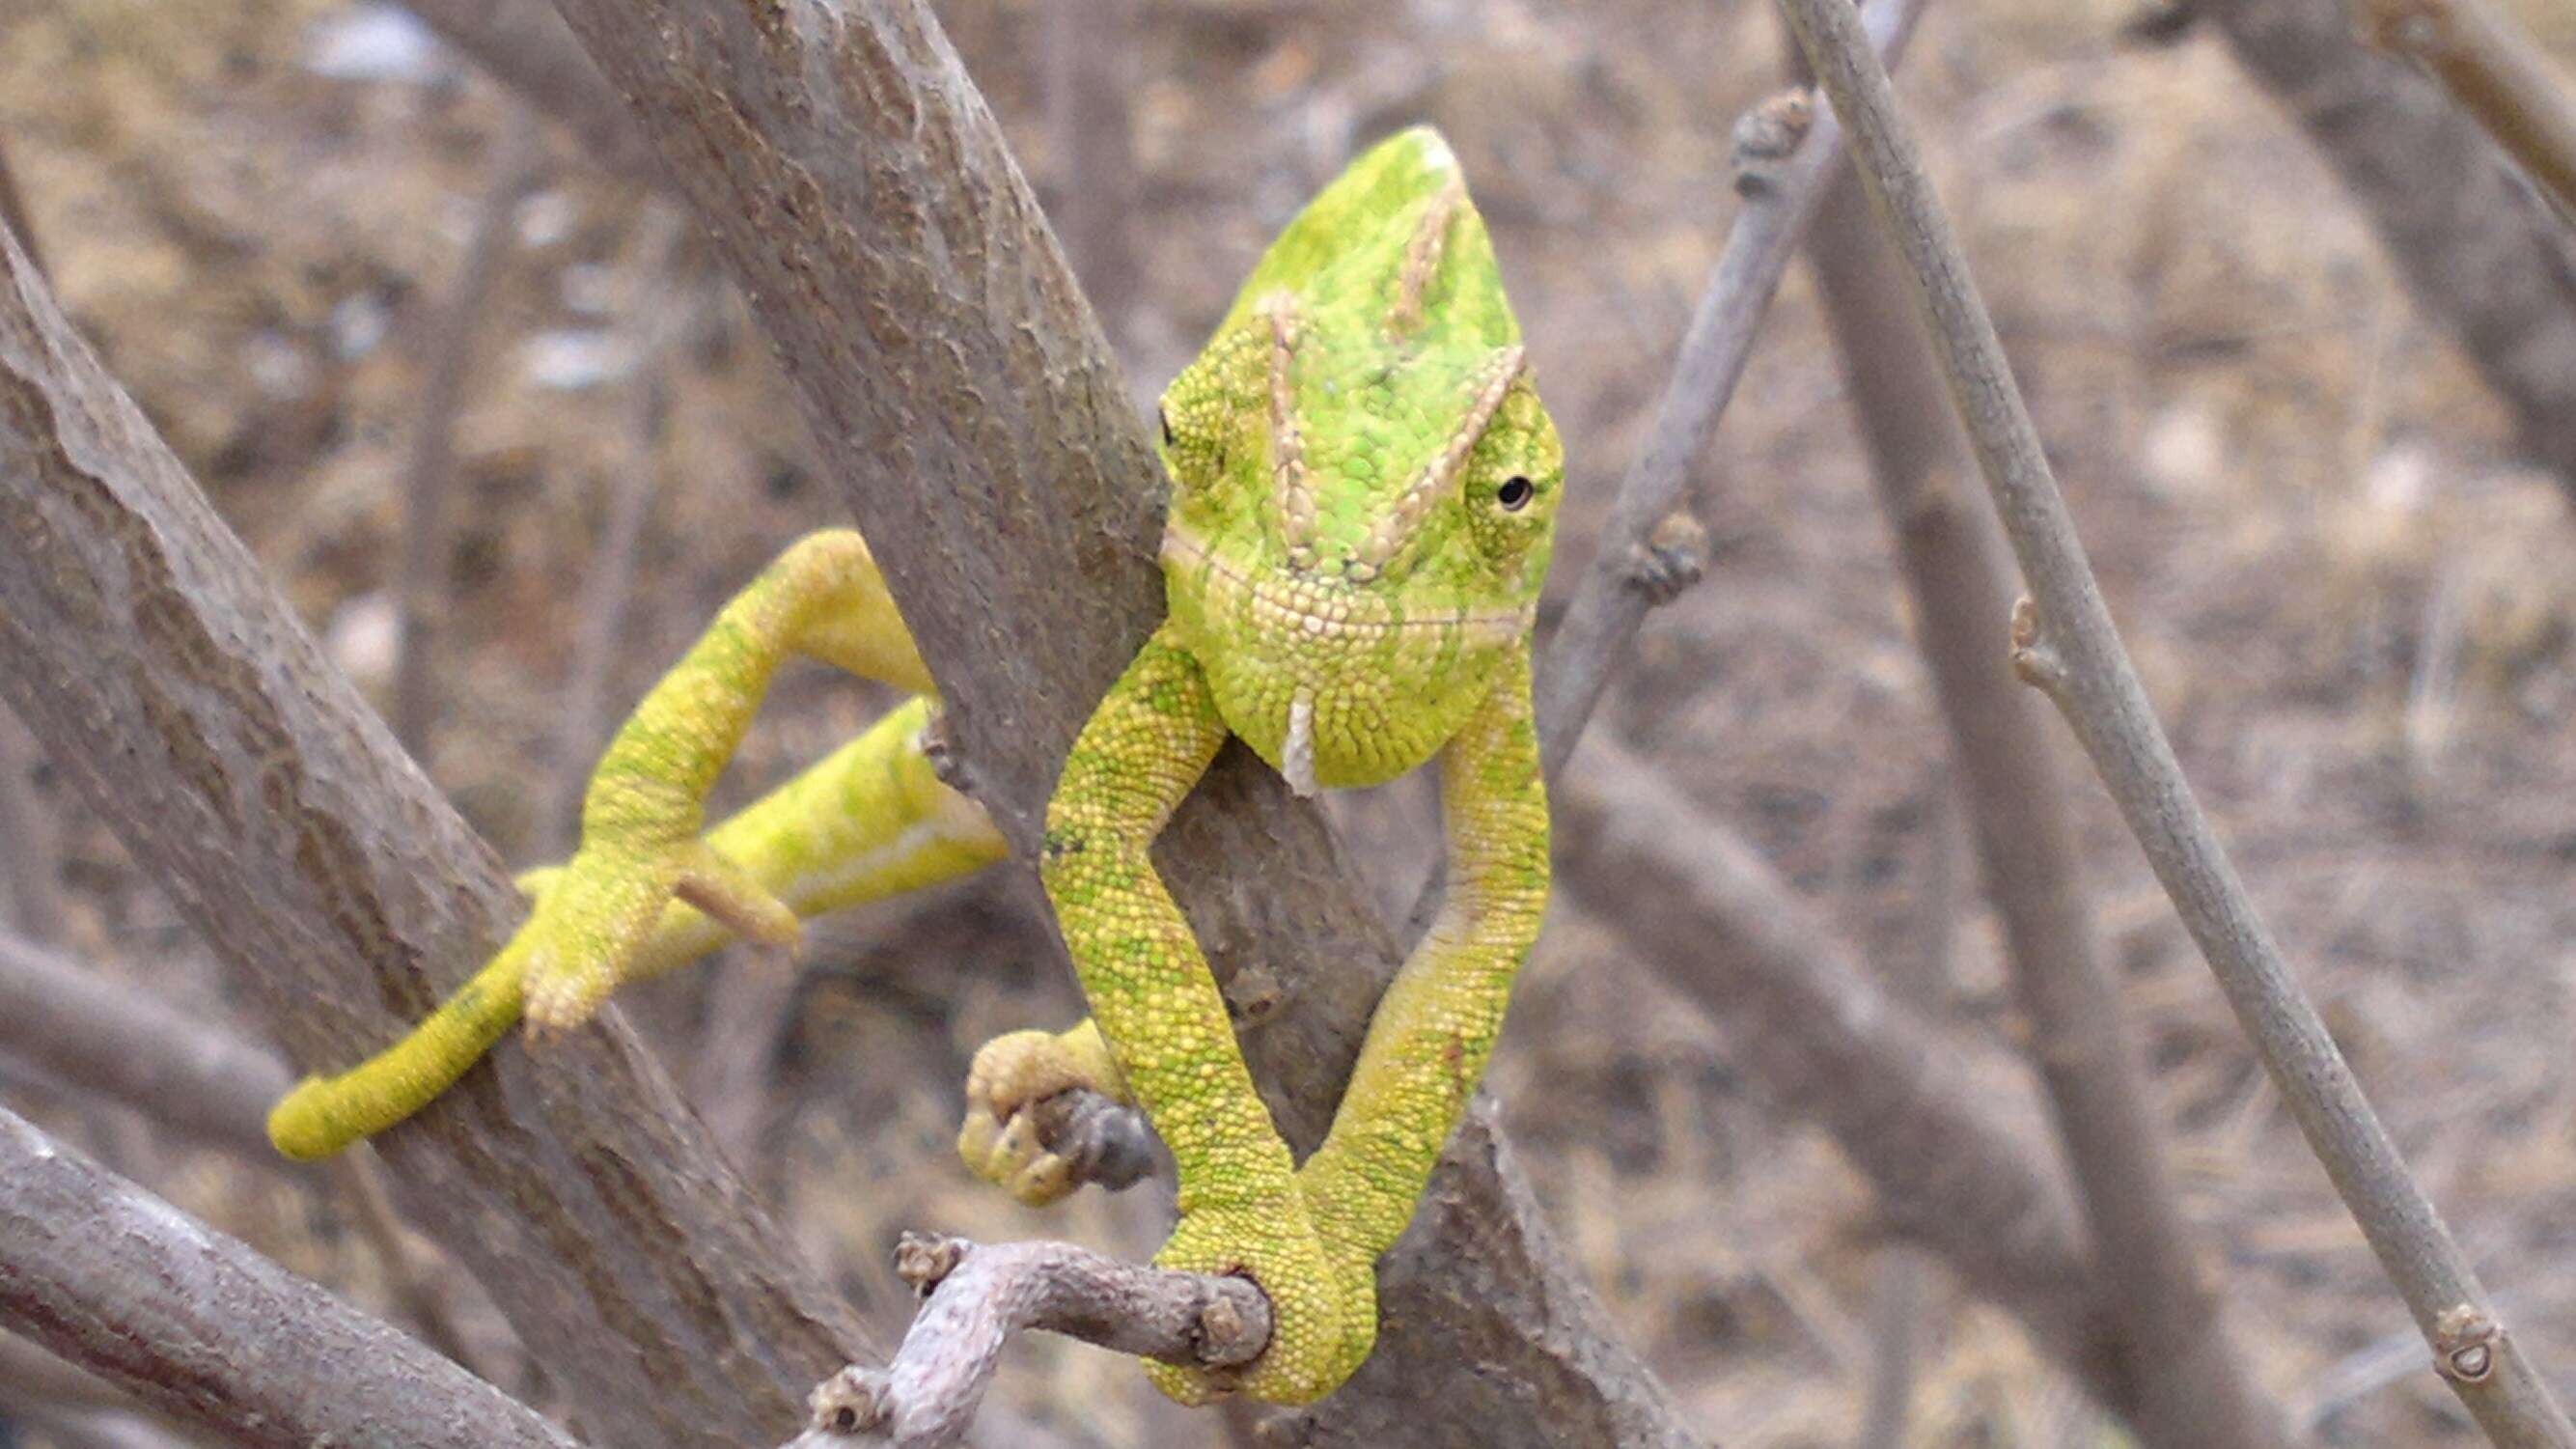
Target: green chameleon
[{"x": 1364, "y": 491}]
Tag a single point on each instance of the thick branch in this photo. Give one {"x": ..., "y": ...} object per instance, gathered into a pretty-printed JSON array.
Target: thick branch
[
  {"x": 210, "y": 1332},
  {"x": 859, "y": 191},
  {"x": 111, "y": 1038},
  {"x": 140, "y": 642},
  {"x": 2100, "y": 695},
  {"x": 2477, "y": 250},
  {"x": 980, "y": 1296},
  {"x": 2192, "y": 1388}
]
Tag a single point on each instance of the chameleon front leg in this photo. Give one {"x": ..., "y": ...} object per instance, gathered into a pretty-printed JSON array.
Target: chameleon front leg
[
  {"x": 644, "y": 893},
  {"x": 1158, "y": 1010},
  {"x": 1435, "y": 1026}
]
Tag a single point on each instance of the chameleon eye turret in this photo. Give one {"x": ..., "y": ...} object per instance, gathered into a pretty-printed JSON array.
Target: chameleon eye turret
[{"x": 1364, "y": 490}]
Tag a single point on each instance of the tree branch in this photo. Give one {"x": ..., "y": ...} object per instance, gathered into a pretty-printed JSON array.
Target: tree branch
[
  {"x": 2192, "y": 1388},
  {"x": 1652, "y": 545},
  {"x": 140, "y": 642},
  {"x": 859, "y": 191},
  {"x": 210, "y": 1332},
  {"x": 2497, "y": 75},
  {"x": 115, "y": 1040},
  {"x": 2103, "y": 701},
  {"x": 980, "y": 1296}
]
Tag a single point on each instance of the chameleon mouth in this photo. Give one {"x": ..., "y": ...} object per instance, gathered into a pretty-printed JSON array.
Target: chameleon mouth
[{"x": 1325, "y": 613}]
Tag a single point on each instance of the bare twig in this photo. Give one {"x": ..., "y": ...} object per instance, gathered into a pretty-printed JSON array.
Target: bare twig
[
  {"x": 980, "y": 1296},
  {"x": 209, "y": 1331},
  {"x": 1652, "y": 547},
  {"x": 2193, "y": 1390},
  {"x": 114, "y": 1039},
  {"x": 523, "y": 44},
  {"x": 1090, "y": 49},
  {"x": 420, "y": 573},
  {"x": 2077, "y": 652},
  {"x": 2497, "y": 74}
]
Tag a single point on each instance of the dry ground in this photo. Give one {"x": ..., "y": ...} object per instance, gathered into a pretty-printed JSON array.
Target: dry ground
[{"x": 2352, "y": 607}]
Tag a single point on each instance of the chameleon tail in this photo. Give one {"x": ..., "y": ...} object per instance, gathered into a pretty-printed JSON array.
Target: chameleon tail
[{"x": 324, "y": 1114}]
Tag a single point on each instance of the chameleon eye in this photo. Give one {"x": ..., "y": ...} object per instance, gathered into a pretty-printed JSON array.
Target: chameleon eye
[{"x": 1515, "y": 493}]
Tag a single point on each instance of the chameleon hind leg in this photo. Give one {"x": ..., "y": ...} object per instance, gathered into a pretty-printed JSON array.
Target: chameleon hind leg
[{"x": 645, "y": 893}]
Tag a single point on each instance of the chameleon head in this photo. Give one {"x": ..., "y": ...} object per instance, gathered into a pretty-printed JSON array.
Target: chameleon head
[{"x": 1364, "y": 482}]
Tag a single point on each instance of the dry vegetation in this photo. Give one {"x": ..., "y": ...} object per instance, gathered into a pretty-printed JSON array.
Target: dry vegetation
[{"x": 2356, "y": 612}]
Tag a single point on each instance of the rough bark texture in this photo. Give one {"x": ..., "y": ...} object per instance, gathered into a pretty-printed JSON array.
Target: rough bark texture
[
  {"x": 111, "y": 1038},
  {"x": 2191, "y": 1383},
  {"x": 140, "y": 642},
  {"x": 204, "y": 1328},
  {"x": 1826, "y": 1042},
  {"x": 2479, "y": 251},
  {"x": 859, "y": 191}
]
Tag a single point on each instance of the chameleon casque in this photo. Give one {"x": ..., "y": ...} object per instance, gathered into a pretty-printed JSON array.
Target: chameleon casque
[{"x": 1364, "y": 487}]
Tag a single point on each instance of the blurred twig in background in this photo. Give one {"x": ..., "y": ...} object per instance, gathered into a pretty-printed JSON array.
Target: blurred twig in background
[
  {"x": 2193, "y": 1390},
  {"x": 2478, "y": 252},
  {"x": 420, "y": 574},
  {"x": 1090, "y": 60},
  {"x": 2068, "y": 646},
  {"x": 2496, "y": 74}
]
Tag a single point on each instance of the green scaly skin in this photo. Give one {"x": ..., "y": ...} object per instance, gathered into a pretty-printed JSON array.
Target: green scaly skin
[{"x": 1364, "y": 490}]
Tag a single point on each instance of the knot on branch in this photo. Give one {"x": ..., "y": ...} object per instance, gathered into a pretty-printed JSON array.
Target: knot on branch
[
  {"x": 1769, "y": 134},
  {"x": 849, "y": 1403},
  {"x": 2034, "y": 659},
  {"x": 1672, "y": 558},
  {"x": 2465, "y": 1340},
  {"x": 924, "y": 1260}
]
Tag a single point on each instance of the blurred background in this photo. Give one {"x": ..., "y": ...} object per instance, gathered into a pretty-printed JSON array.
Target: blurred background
[{"x": 430, "y": 357}]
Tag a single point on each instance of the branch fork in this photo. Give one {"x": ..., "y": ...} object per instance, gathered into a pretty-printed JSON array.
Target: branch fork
[{"x": 976, "y": 1297}]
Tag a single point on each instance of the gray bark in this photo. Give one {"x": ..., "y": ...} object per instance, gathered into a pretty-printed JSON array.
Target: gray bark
[
  {"x": 140, "y": 643},
  {"x": 208, "y": 1331}
]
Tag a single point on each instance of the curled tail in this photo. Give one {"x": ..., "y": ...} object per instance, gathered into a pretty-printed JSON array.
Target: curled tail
[{"x": 324, "y": 1114}]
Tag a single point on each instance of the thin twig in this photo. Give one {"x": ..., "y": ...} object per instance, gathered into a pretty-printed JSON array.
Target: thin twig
[
  {"x": 207, "y": 1330},
  {"x": 420, "y": 572},
  {"x": 2194, "y": 1392},
  {"x": 124, "y": 1044},
  {"x": 980, "y": 1296},
  {"x": 13, "y": 216},
  {"x": 1652, "y": 546},
  {"x": 2498, "y": 75},
  {"x": 2073, "y": 648}
]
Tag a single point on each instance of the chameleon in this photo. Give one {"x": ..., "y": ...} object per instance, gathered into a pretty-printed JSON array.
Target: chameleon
[{"x": 1363, "y": 490}]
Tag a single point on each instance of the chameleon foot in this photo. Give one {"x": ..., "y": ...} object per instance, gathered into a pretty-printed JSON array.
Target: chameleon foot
[
  {"x": 594, "y": 916},
  {"x": 1323, "y": 1313},
  {"x": 1012, "y": 1073}
]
